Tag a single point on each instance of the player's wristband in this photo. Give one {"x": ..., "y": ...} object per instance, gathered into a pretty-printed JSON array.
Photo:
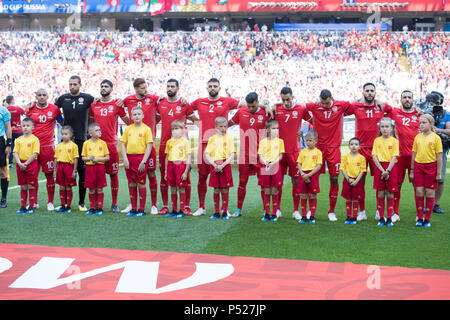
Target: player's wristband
[
  {"x": 388, "y": 171},
  {"x": 8, "y": 142}
]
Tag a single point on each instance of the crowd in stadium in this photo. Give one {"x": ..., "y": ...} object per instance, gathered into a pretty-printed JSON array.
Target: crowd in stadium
[{"x": 244, "y": 61}]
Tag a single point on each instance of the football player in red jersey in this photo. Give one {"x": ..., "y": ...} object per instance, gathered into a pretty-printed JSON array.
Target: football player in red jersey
[
  {"x": 147, "y": 102},
  {"x": 252, "y": 124},
  {"x": 290, "y": 117},
  {"x": 406, "y": 127},
  {"x": 106, "y": 113},
  {"x": 45, "y": 116},
  {"x": 209, "y": 109},
  {"x": 167, "y": 110},
  {"x": 368, "y": 114},
  {"x": 328, "y": 121}
]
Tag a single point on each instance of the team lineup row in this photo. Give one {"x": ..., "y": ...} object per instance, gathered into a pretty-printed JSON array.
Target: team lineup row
[{"x": 270, "y": 128}]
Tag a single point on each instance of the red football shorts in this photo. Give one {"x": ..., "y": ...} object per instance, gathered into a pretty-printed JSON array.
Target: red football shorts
[
  {"x": 151, "y": 162},
  {"x": 403, "y": 168},
  {"x": 46, "y": 159},
  {"x": 247, "y": 169},
  {"x": 95, "y": 177},
  {"x": 289, "y": 165},
  {"x": 389, "y": 185},
  {"x": 352, "y": 193},
  {"x": 332, "y": 155},
  {"x": 311, "y": 187},
  {"x": 132, "y": 173},
  {"x": 222, "y": 179},
  {"x": 271, "y": 178},
  {"x": 112, "y": 166},
  {"x": 29, "y": 175},
  {"x": 174, "y": 174},
  {"x": 425, "y": 175},
  {"x": 367, "y": 153},
  {"x": 64, "y": 173}
]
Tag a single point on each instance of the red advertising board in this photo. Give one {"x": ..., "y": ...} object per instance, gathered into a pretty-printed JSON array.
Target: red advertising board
[
  {"x": 29, "y": 272},
  {"x": 311, "y": 5}
]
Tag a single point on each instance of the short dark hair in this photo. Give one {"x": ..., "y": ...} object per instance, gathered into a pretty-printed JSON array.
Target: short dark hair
[
  {"x": 174, "y": 80},
  {"x": 286, "y": 90},
  {"x": 406, "y": 91},
  {"x": 325, "y": 94},
  {"x": 9, "y": 99},
  {"x": 75, "y": 77},
  {"x": 251, "y": 97},
  {"x": 108, "y": 82},
  {"x": 28, "y": 119},
  {"x": 354, "y": 139},
  {"x": 214, "y": 80},
  {"x": 368, "y": 84}
]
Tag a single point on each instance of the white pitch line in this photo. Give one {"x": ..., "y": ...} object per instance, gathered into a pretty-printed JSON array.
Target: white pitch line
[{"x": 17, "y": 187}]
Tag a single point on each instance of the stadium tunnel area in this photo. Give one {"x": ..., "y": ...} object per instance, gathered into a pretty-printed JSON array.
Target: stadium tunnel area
[{"x": 236, "y": 21}]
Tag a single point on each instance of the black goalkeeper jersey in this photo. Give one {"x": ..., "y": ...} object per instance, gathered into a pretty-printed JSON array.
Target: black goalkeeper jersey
[{"x": 76, "y": 112}]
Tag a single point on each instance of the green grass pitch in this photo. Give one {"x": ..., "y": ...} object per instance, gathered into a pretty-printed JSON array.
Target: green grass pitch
[{"x": 365, "y": 243}]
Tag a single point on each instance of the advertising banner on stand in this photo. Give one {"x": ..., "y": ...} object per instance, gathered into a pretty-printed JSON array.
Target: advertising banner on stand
[
  {"x": 155, "y": 7},
  {"x": 39, "y": 6}
]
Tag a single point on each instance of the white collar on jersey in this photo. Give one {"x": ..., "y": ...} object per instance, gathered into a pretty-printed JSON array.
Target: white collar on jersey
[
  {"x": 110, "y": 100},
  {"x": 218, "y": 97},
  {"x": 177, "y": 100},
  {"x": 410, "y": 111},
  {"x": 37, "y": 106}
]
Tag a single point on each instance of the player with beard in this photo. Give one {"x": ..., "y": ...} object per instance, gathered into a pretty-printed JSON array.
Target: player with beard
[
  {"x": 45, "y": 116},
  {"x": 209, "y": 109},
  {"x": 106, "y": 113},
  {"x": 328, "y": 121},
  {"x": 406, "y": 127},
  {"x": 147, "y": 102},
  {"x": 75, "y": 107},
  {"x": 368, "y": 114},
  {"x": 167, "y": 110}
]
